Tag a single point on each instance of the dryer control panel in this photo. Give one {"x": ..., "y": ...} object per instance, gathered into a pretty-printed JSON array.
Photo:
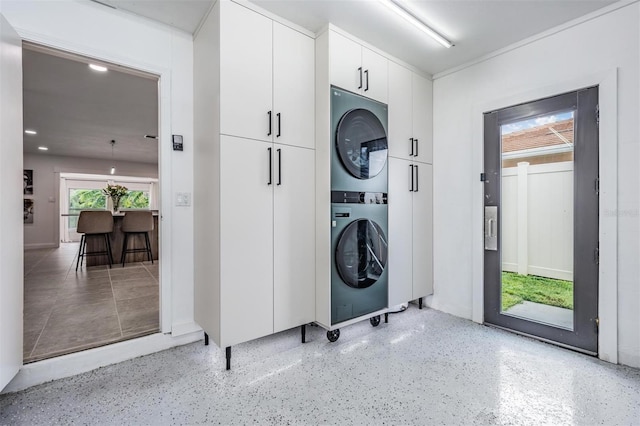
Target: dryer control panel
[{"x": 355, "y": 197}]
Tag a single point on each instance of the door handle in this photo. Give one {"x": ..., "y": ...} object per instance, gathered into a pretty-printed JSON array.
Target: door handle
[
  {"x": 279, "y": 166},
  {"x": 366, "y": 79},
  {"x": 491, "y": 228},
  {"x": 411, "y": 171},
  {"x": 411, "y": 142},
  {"x": 269, "y": 115},
  {"x": 360, "y": 71},
  {"x": 416, "y": 147},
  {"x": 416, "y": 169},
  {"x": 270, "y": 166},
  {"x": 278, "y": 134}
]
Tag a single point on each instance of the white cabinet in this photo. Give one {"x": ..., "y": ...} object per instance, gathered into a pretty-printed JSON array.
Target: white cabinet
[
  {"x": 356, "y": 68},
  {"x": 267, "y": 79},
  {"x": 410, "y": 230},
  {"x": 267, "y": 235},
  {"x": 254, "y": 176},
  {"x": 410, "y": 115},
  {"x": 294, "y": 237}
]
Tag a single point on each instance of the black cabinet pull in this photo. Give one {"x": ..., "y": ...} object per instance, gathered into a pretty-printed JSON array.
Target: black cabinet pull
[
  {"x": 411, "y": 142},
  {"x": 278, "y": 135},
  {"x": 416, "y": 147},
  {"x": 269, "y": 115},
  {"x": 270, "y": 166},
  {"x": 411, "y": 169},
  {"x": 360, "y": 71},
  {"x": 416, "y": 168},
  {"x": 279, "y": 166},
  {"x": 366, "y": 75}
]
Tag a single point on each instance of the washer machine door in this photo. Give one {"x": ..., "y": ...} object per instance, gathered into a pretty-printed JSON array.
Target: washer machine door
[
  {"x": 361, "y": 253},
  {"x": 361, "y": 143}
]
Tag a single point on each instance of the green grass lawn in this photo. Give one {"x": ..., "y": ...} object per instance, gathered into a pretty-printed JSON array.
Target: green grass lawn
[{"x": 517, "y": 288}]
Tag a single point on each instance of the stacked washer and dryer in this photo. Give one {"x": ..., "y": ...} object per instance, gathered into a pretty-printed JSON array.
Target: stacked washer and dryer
[{"x": 359, "y": 175}]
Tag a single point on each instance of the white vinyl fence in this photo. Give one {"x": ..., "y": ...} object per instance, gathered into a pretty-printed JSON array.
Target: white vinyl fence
[{"x": 537, "y": 220}]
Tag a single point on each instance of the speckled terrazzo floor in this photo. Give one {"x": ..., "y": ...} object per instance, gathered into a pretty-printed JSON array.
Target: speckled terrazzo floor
[{"x": 423, "y": 368}]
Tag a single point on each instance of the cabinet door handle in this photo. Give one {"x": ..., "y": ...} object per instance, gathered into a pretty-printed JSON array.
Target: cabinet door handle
[
  {"x": 279, "y": 166},
  {"x": 270, "y": 166},
  {"x": 411, "y": 171},
  {"x": 279, "y": 125},
  {"x": 366, "y": 79},
  {"x": 360, "y": 71},
  {"x": 412, "y": 145},
  {"x": 269, "y": 115},
  {"x": 416, "y": 169},
  {"x": 416, "y": 147}
]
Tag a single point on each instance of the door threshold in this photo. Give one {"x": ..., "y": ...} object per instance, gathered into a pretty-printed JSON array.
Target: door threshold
[{"x": 542, "y": 339}]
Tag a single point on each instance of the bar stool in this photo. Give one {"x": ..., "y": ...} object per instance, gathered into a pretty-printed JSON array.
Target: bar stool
[
  {"x": 137, "y": 222},
  {"x": 94, "y": 224}
]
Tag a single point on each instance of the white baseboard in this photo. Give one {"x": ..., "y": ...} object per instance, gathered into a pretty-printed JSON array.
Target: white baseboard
[
  {"x": 81, "y": 362},
  {"x": 40, "y": 246},
  {"x": 180, "y": 329}
]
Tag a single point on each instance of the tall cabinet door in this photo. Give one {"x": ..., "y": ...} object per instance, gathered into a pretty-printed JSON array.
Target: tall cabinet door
[
  {"x": 294, "y": 237},
  {"x": 423, "y": 232},
  {"x": 400, "y": 232},
  {"x": 423, "y": 118},
  {"x": 344, "y": 62},
  {"x": 246, "y": 234},
  {"x": 376, "y": 74},
  {"x": 400, "y": 111},
  {"x": 245, "y": 72},
  {"x": 293, "y": 87}
]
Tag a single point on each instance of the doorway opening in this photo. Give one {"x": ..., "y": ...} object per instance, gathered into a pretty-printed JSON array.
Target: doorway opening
[
  {"x": 541, "y": 219},
  {"x": 91, "y": 124}
]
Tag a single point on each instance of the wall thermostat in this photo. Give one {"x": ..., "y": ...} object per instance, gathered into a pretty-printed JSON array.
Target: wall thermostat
[{"x": 177, "y": 142}]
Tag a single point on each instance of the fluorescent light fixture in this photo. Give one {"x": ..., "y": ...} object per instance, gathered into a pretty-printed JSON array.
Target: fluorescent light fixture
[
  {"x": 395, "y": 6},
  {"x": 43, "y": 148},
  {"x": 97, "y": 67},
  {"x": 31, "y": 132},
  {"x": 113, "y": 170}
]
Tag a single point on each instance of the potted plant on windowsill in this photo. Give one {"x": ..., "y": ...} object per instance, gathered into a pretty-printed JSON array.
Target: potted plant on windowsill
[{"x": 116, "y": 192}]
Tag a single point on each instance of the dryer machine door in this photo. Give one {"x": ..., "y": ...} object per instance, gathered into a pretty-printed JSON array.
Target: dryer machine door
[
  {"x": 361, "y": 253},
  {"x": 361, "y": 142}
]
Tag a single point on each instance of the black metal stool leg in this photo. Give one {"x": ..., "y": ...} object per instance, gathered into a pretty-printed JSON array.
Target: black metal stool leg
[
  {"x": 108, "y": 238},
  {"x": 79, "y": 252},
  {"x": 124, "y": 248},
  {"x": 148, "y": 242},
  {"x": 106, "y": 248}
]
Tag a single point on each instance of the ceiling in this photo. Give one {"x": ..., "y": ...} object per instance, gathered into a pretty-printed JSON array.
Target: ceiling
[
  {"x": 77, "y": 111},
  {"x": 476, "y": 27}
]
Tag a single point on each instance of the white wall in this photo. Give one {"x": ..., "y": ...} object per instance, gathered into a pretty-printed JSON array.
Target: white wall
[
  {"x": 598, "y": 45},
  {"x": 97, "y": 31},
  {"x": 43, "y": 232}
]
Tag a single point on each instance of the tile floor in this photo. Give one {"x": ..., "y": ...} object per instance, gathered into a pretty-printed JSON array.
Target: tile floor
[
  {"x": 422, "y": 368},
  {"x": 67, "y": 311}
]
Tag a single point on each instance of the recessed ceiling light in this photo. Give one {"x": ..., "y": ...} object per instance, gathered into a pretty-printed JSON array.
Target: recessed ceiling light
[
  {"x": 97, "y": 67},
  {"x": 31, "y": 132},
  {"x": 43, "y": 148}
]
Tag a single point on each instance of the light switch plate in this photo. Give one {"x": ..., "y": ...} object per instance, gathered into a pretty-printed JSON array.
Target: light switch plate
[{"x": 183, "y": 199}]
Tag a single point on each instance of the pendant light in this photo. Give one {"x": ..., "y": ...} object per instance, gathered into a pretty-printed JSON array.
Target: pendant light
[{"x": 113, "y": 167}]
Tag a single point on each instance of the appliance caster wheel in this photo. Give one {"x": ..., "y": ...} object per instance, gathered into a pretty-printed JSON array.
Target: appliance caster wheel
[
  {"x": 375, "y": 321},
  {"x": 333, "y": 335}
]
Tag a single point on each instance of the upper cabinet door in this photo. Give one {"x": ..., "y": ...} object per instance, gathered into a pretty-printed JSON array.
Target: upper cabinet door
[
  {"x": 375, "y": 75},
  {"x": 423, "y": 118},
  {"x": 400, "y": 112},
  {"x": 345, "y": 63},
  {"x": 245, "y": 73},
  {"x": 293, "y": 87}
]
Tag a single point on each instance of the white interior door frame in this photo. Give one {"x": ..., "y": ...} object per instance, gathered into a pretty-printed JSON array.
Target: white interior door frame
[
  {"x": 164, "y": 149},
  {"x": 608, "y": 156}
]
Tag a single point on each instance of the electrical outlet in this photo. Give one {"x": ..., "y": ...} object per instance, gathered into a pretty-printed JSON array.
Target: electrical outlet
[{"x": 183, "y": 198}]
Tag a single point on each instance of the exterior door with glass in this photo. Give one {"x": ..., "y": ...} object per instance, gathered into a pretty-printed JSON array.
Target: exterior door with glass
[{"x": 541, "y": 219}]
